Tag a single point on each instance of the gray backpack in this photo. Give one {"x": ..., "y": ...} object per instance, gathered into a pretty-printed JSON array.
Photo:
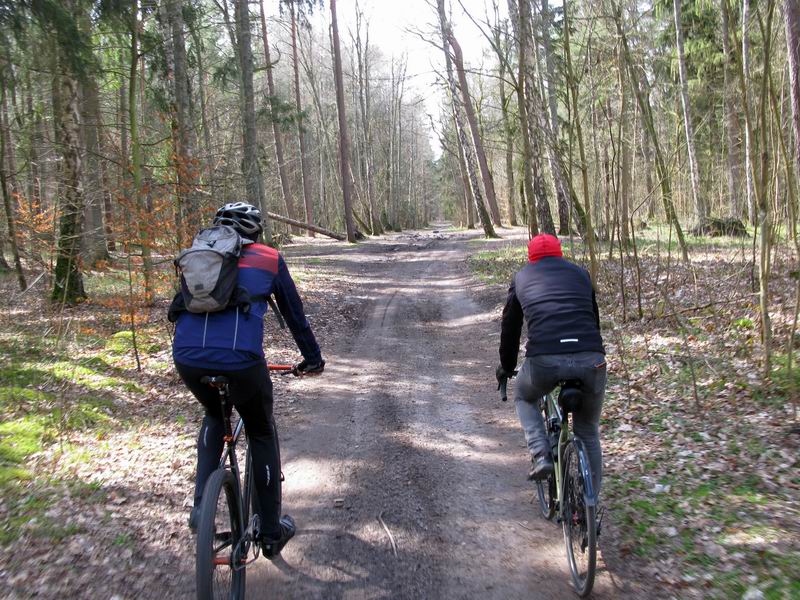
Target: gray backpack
[{"x": 209, "y": 269}]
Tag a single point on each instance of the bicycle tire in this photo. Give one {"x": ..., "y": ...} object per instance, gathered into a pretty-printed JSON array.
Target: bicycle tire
[
  {"x": 218, "y": 535},
  {"x": 546, "y": 492},
  {"x": 579, "y": 522}
]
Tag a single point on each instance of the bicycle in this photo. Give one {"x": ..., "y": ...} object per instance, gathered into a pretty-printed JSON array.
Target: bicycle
[
  {"x": 226, "y": 530},
  {"x": 569, "y": 493}
]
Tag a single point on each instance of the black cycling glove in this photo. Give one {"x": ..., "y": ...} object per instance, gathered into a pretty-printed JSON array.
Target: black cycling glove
[{"x": 503, "y": 375}]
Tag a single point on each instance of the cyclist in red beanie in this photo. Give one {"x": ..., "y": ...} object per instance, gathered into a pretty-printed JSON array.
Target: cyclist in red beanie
[
  {"x": 543, "y": 245},
  {"x": 556, "y": 298}
]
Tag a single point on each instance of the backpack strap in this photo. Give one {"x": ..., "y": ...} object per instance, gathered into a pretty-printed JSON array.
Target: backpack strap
[{"x": 271, "y": 301}]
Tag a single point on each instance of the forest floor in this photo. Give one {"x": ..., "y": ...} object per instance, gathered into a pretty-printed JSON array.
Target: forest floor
[{"x": 701, "y": 479}]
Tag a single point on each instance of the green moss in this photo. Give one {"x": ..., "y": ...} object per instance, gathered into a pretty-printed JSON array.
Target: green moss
[
  {"x": 120, "y": 343},
  {"x": 20, "y": 438}
]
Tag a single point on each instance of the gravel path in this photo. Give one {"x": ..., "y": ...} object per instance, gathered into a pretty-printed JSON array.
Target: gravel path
[{"x": 406, "y": 425}]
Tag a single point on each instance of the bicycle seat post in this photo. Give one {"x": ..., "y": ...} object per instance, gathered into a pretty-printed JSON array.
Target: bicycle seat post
[{"x": 220, "y": 382}]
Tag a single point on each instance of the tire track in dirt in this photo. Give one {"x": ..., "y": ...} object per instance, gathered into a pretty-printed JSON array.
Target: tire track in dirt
[{"x": 406, "y": 423}]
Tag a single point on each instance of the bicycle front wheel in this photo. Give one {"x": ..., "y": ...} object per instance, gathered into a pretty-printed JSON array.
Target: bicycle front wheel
[
  {"x": 579, "y": 522},
  {"x": 220, "y": 570},
  {"x": 546, "y": 490}
]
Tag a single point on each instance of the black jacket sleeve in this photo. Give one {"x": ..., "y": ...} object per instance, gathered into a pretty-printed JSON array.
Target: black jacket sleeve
[
  {"x": 595, "y": 309},
  {"x": 291, "y": 307},
  {"x": 510, "y": 330}
]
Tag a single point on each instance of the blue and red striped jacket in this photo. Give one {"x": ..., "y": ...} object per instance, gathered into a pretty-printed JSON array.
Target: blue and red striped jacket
[{"x": 233, "y": 339}]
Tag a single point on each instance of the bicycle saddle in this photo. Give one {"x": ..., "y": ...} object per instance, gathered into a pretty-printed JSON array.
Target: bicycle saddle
[
  {"x": 214, "y": 380},
  {"x": 570, "y": 397}
]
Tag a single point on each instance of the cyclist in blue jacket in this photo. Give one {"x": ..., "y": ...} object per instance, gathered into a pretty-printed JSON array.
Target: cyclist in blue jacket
[{"x": 230, "y": 343}]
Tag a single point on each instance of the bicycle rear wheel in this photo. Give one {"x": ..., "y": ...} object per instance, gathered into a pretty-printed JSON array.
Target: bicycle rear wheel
[
  {"x": 220, "y": 571},
  {"x": 579, "y": 522}
]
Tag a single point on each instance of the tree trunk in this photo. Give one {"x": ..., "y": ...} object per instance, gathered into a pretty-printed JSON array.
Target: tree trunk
[
  {"x": 564, "y": 194},
  {"x": 700, "y": 208},
  {"x": 8, "y": 205},
  {"x": 95, "y": 248},
  {"x": 301, "y": 140},
  {"x": 68, "y": 278},
  {"x": 344, "y": 139},
  {"x": 288, "y": 200},
  {"x": 502, "y": 62},
  {"x": 136, "y": 161},
  {"x": 748, "y": 132},
  {"x": 518, "y": 19},
  {"x": 466, "y": 148},
  {"x": 572, "y": 85},
  {"x": 468, "y": 200},
  {"x": 308, "y": 226},
  {"x": 250, "y": 165},
  {"x": 187, "y": 170},
  {"x": 732, "y": 126},
  {"x": 469, "y": 110},
  {"x": 647, "y": 119},
  {"x": 35, "y": 181},
  {"x": 762, "y": 195},
  {"x": 10, "y": 164},
  {"x": 625, "y": 150},
  {"x": 509, "y": 134},
  {"x": 792, "y": 12},
  {"x": 362, "y": 56},
  {"x": 540, "y": 133}
]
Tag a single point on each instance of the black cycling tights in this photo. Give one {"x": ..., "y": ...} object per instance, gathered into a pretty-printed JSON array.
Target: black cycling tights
[{"x": 251, "y": 393}]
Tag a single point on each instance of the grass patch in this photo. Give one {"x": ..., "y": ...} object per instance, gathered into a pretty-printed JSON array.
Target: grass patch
[
  {"x": 19, "y": 439},
  {"x": 498, "y": 266},
  {"x": 122, "y": 343}
]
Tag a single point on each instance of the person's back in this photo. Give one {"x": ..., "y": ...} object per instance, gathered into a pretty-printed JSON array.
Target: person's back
[
  {"x": 556, "y": 299},
  {"x": 235, "y": 336},
  {"x": 230, "y": 343}
]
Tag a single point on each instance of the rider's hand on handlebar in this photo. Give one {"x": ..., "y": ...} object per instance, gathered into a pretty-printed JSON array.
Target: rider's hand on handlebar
[
  {"x": 503, "y": 375},
  {"x": 305, "y": 368}
]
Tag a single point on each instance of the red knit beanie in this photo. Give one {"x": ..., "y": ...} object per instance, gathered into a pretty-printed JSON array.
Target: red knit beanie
[{"x": 543, "y": 245}]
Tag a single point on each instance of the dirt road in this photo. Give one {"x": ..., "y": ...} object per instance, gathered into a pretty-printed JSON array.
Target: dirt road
[{"x": 406, "y": 424}]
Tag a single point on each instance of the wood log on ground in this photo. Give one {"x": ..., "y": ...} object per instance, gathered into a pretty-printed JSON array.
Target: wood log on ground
[
  {"x": 714, "y": 227},
  {"x": 332, "y": 234}
]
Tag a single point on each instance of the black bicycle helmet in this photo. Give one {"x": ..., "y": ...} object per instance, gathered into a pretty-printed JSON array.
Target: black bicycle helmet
[{"x": 243, "y": 217}]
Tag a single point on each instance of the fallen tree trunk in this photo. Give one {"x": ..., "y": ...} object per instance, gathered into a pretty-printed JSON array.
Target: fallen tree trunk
[{"x": 332, "y": 234}]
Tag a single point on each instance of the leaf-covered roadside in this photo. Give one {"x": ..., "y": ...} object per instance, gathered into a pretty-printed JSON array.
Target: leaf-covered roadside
[
  {"x": 97, "y": 458},
  {"x": 701, "y": 490}
]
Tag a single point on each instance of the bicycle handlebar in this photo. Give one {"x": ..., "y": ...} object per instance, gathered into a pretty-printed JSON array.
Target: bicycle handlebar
[
  {"x": 502, "y": 387},
  {"x": 291, "y": 370}
]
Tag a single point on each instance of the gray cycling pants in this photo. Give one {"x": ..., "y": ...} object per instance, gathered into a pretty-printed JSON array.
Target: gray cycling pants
[{"x": 538, "y": 376}]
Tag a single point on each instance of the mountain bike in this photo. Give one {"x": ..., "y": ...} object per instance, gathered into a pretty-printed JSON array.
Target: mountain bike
[
  {"x": 569, "y": 493},
  {"x": 228, "y": 525}
]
